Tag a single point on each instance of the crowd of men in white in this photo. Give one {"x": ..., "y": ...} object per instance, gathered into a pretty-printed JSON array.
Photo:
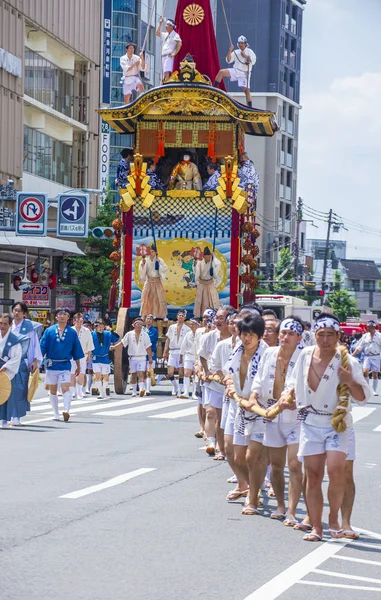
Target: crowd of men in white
[{"x": 247, "y": 355}]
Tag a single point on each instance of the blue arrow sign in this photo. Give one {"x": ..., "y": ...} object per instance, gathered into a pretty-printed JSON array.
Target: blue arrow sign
[{"x": 72, "y": 215}]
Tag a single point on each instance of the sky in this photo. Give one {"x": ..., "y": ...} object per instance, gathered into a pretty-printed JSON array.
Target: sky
[{"x": 340, "y": 123}]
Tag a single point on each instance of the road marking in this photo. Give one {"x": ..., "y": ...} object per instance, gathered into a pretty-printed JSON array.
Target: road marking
[
  {"x": 377, "y": 536},
  {"x": 363, "y": 544},
  {"x": 110, "y": 404},
  {"x": 282, "y": 582},
  {"x": 35, "y": 421},
  {"x": 359, "y": 560},
  {"x": 142, "y": 409},
  {"x": 106, "y": 484},
  {"x": 361, "y": 412},
  {"x": 341, "y": 585},
  {"x": 378, "y": 428},
  {"x": 73, "y": 403},
  {"x": 176, "y": 414},
  {"x": 346, "y": 576}
]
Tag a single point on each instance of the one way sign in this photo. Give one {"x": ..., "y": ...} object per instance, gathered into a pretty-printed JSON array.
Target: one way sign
[{"x": 72, "y": 215}]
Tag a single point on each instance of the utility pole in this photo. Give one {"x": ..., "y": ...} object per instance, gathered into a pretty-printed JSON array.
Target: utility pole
[
  {"x": 326, "y": 253},
  {"x": 299, "y": 217}
]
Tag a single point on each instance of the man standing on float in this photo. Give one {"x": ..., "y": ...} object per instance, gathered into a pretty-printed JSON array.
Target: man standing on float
[{"x": 171, "y": 46}]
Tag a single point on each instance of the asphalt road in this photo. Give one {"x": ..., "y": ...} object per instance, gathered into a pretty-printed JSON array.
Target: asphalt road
[{"x": 162, "y": 530}]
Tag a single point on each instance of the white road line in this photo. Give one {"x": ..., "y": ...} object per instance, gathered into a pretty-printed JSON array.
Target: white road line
[
  {"x": 359, "y": 560},
  {"x": 110, "y": 404},
  {"x": 346, "y": 576},
  {"x": 377, "y": 536},
  {"x": 378, "y": 428},
  {"x": 106, "y": 484},
  {"x": 34, "y": 421},
  {"x": 341, "y": 585},
  {"x": 176, "y": 414},
  {"x": 282, "y": 582},
  {"x": 73, "y": 403},
  {"x": 363, "y": 544},
  {"x": 361, "y": 412},
  {"x": 142, "y": 409}
]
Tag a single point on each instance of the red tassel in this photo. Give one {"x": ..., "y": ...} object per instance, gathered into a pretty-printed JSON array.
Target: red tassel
[
  {"x": 160, "y": 136},
  {"x": 212, "y": 137},
  {"x": 112, "y": 297}
]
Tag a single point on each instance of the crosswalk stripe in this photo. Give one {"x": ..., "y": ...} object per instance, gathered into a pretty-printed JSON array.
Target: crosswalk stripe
[
  {"x": 378, "y": 428},
  {"x": 142, "y": 409},
  {"x": 110, "y": 404},
  {"x": 177, "y": 414},
  {"x": 73, "y": 403},
  {"x": 361, "y": 412}
]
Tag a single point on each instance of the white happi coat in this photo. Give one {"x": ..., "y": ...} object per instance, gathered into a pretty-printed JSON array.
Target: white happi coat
[
  {"x": 86, "y": 340},
  {"x": 187, "y": 349},
  {"x": 370, "y": 346},
  {"x": 148, "y": 269},
  {"x": 174, "y": 341},
  {"x": 245, "y": 420},
  {"x": 316, "y": 408},
  {"x": 263, "y": 383},
  {"x": 208, "y": 343},
  {"x": 12, "y": 363},
  {"x": 136, "y": 349},
  {"x": 219, "y": 359}
]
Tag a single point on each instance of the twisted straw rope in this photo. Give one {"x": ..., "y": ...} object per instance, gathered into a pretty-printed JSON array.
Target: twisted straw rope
[{"x": 338, "y": 422}]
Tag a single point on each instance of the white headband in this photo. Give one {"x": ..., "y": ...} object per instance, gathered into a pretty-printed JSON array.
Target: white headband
[
  {"x": 327, "y": 323},
  {"x": 252, "y": 311},
  {"x": 291, "y": 325},
  {"x": 170, "y": 22}
]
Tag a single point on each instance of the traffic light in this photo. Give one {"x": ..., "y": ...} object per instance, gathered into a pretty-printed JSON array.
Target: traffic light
[
  {"x": 103, "y": 233},
  {"x": 315, "y": 293}
]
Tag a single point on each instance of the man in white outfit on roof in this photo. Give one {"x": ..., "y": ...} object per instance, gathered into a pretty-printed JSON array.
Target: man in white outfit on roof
[{"x": 243, "y": 59}]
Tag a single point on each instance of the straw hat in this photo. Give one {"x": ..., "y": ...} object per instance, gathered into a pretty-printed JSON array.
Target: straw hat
[
  {"x": 33, "y": 384},
  {"x": 5, "y": 387}
]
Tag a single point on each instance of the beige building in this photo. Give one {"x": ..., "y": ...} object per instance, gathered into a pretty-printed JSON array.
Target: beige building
[{"x": 50, "y": 59}]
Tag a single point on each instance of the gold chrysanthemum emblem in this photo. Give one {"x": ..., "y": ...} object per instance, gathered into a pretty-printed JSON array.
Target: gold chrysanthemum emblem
[{"x": 193, "y": 14}]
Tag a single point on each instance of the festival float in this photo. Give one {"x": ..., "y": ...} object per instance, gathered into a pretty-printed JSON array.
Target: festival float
[{"x": 186, "y": 114}]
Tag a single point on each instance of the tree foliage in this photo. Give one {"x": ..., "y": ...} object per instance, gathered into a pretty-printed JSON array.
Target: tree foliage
[
  {"x": 284, "y": 271},
  {"x": 343, "y": 304},
  {"x": 93, "y": 270}
]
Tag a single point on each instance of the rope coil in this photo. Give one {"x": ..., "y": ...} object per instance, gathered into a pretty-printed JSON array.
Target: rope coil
[{"x": 340, "y": 411}]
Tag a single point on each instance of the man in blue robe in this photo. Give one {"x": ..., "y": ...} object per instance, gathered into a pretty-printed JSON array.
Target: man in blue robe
[
  {"x": 59, "y": 345},
  {"x": 212, "y": 184},
  {"x": 247, "y": 174},
  {"x": 13, "y": 350},
  {"x": 103, "y": 338},
  {"x": 153, "y": 336}
]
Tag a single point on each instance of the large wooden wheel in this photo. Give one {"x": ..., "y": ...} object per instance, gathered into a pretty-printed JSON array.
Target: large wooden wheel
[{"x": 120, "y": 355}]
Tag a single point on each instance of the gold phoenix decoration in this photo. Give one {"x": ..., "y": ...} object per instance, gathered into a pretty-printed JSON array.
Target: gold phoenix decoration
[{"x": 193, "y": 14}]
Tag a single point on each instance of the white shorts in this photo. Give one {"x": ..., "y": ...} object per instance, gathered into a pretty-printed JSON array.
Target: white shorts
[
  {"x": 351, "y": 444},
  {"x": 174, "y": 360},
  {"x": 243, "y": 440},
  {"x": 102, "y": 368},
  {"x": 137, "y": 364},
  {"x": 318, "y": 440},
  {"x": 372, "y": 363},
  {"x": 54, "y": 377},
  {"x": 279, "y": 434},
  {"x": 230, "y": 419},
  {"x": 130, "y": 84},
  {"x": 189, "y": 364},
  {"x": 82, "y": 364},
  {"x": 213, "y": 398},
  {"x": 167, "y": 64},
  {"x": 225, "y": 412},
  {"x": 239, "y": 77}
]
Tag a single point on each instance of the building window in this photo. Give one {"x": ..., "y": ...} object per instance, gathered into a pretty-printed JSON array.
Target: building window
[
  {"x": 46, "y": 157},
  {"x": 49, "y": 84},
  {"x": 302, "y": 240},
  {"x": 369, "y": 285},
  {"x": 355, "y": 285}
]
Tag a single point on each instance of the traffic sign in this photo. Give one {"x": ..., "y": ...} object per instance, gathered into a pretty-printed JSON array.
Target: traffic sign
[
  {"x": 31, "y": 214},
  {"x": 73, "y": 215}
]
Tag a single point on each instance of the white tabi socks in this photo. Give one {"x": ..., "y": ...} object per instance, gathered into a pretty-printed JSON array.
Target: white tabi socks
[
  {"x": 72, "y": 391},
  {"x": 79, "y": 391},
  {"x": 141, "y": 388},
  {"x": 89, "y": 383},
  {"x": 134, "y": 389},
  {"x": 66, "y": 397},
  {"x": 54, "y": 403},
  {"x": 148, "y": 385},
  {"x": 101, "y": 389},
  {"x": 186, "y": 386},
  {"x": 375, "y": 383}
]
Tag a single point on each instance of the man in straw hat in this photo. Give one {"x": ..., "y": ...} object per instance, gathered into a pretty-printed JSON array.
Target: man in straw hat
[
  {"x": 152, "y": 271},
  {"x": 13, "y": 348},
  {"x": 206, "y": 277},
  {"x": 243, "y": 59},
  {"x": 60, "y": 345},
  {"x": 171, "y": 46}
]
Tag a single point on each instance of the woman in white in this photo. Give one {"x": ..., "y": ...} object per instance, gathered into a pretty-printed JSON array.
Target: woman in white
[
  {"x": 131, "y": 65},
  {"x": 188, "y": 356},
  {"x": 152, "y": 271},
  {"x": 175, "y": 337},
  {"x": 246, "y": 428}
]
